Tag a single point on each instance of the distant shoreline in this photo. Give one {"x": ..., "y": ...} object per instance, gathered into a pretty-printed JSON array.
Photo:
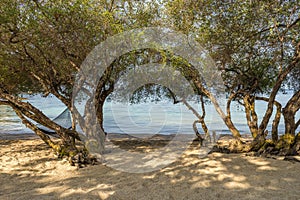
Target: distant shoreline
[
  {"x": 30, "y": 136},
  {"x": 25, "y": 136}
]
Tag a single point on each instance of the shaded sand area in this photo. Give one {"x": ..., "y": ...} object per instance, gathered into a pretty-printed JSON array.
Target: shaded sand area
[{"x": 30, "y": 170}]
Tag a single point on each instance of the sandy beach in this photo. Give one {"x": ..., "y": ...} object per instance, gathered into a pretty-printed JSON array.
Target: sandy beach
[{"x": 30, "y": 170}]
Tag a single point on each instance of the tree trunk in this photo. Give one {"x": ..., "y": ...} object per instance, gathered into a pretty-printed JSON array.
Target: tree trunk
[
  {"x": 100, "y": 114},
  {"x": 276, "y": 122},
  {"x": 289, "y": 112},
  {"x": 101, "y": 95},
  {"x": 251, "y": 116},
  {"x": 295, "y": 150},
  {"x": 30, "y": 125},
  {"x": 102, "y": 91},
  {"x": 199, "y": 137},
  {"x": 289, "y": 122},
  {"x": 297, "y": 124},
  {"x": 200, "y": 120}
]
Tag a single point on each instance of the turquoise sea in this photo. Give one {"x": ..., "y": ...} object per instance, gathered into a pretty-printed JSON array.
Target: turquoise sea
[{"x": 150, "y": 118}]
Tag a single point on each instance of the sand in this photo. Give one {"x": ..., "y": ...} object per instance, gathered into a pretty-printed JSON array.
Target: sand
[{"x": 30, "y": 170}]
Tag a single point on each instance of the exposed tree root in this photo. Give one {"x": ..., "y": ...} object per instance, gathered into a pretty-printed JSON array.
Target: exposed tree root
[
  {"x": 78, "y": 156},
  {"x": 232, "y": 145},
  {"x": 287, "y": 146},
  {"x": 82, "y": 159},
  {"x": 291, "y": 158}
]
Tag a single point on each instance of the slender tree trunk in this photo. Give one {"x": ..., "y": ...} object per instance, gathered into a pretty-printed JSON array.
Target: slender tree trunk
[
  {"x": 276, "y": 122},
  {"x": 204, "y": 127},
  {"x": 33, "y": 127},
  {"x": 30, "y": 125},
  {"x": 35, "y": 114},
  {"x": 100, "y": 114},
  {"x": 227, "y": 119},
  {"x": 199, "y": 137},
  {"x": 297, "y": 124},
  {"x": 251, "y": 116},
  {"x": 200, "y": 120},
  {"x": 66, "y": 148}
]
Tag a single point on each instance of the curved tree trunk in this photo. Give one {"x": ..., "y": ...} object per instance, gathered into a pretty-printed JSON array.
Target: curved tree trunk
[
  {"x": 199, "y": 137},
  {"x": 35, "y": 114},
  {"x": 204, "y": 126},
  {"x": 104, "y": 88},
  {"x": 200, "y": 120},
  {"x": 289, "y": 112},
  {"x": 227, "y": 119},
  {"x": 228, "y": 109},
  {"x": 30, "y": 125},
  {"x": 33, "y": 127}
]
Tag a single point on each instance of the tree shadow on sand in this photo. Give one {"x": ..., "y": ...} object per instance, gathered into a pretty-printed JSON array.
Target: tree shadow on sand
[{"x": 217, "y": 176}]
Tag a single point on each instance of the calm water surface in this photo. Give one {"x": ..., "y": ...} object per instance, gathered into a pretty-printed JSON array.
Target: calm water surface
[{"x": 150, "y": 118}]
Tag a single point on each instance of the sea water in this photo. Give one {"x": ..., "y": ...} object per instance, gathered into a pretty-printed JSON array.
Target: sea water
[{"x": 162, "y": 117}]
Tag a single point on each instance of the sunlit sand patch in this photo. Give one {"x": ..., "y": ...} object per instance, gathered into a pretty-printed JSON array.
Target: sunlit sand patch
[
  {"x": 103, "y": 190},
  {"x": 262, "y": 165},
  {"x": 266, "y": 168},
  {"x": 217, "y": 176},
  {"x": 105, "y": 195},
  {"x": 202, "y": 184},
  {"x": 257, "y": 161},
  {"x": 236, "y": 185}
]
